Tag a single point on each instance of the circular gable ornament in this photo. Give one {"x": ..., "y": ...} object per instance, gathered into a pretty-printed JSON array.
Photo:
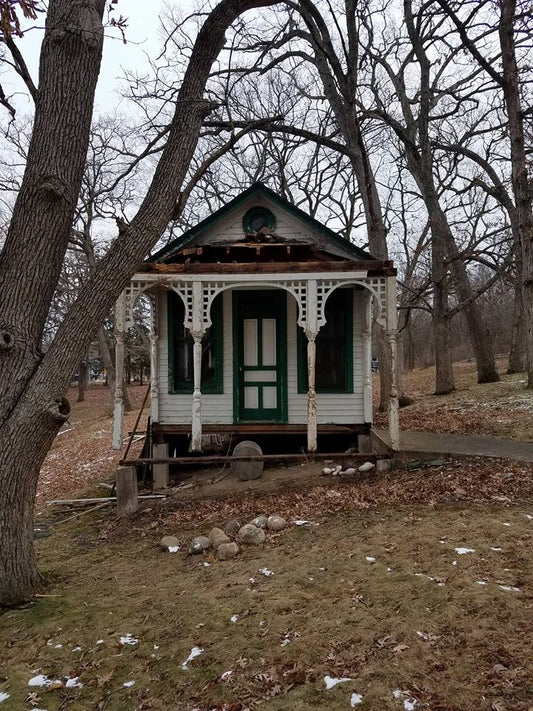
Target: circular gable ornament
[{"x": 256, "y": 218}]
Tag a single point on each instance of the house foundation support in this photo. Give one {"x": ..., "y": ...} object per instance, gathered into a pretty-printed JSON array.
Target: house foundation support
[{"x": 118, "y": 407}]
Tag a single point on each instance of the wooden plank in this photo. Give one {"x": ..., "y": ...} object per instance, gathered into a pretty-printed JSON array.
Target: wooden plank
[
  {"x": 374, "y": 267},
  {"x": 127, "y": 491},
  {"x": 259, "y": 428},
  {"x": 215, "y": 459}
]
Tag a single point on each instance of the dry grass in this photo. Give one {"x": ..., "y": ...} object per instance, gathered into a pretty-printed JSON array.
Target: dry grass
[
  {"x": 344, "y": 616},
  {"x": 503, "y": 409}
]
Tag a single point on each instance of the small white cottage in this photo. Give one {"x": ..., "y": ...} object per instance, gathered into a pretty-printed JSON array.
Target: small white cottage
[{"x": 261, "y": 323}]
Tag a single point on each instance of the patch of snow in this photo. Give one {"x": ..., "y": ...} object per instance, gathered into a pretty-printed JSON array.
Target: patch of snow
[
  {"x": 4, "y": 696},
  {"x": 506, "y": 524},
  {"x": 71, "y": 683},
  {"x": 356, "y": 699},
  {"x": 76, "y": 649},
  {"x": 252, "y": 580},
  {"x": 131, "y": 682},
  {"x": 409, "y": 702},
  {"x": 195, "y": 652},
  {"x": 495, "y": 549},
  {"x": 234, "y": 618},
  {"x": 509, "y": 588},
  {"x": 99, "y": 641},
  {"x": 42, "y": 680},
  {"x": 454, "y": 562},
  {"x": 173, "y": 549},
  {"x": 286, "y": 640},
  {"x": 302, "y": 522},
  {"x": 464, "y": 551},
  {"x": 58, "y": 646},
  {"x": 156, "y": 646},
  {"x": 331, "y": 681},
  {"x": 370, "y": 559},
  {"x": 481, "y": 582},
  {"x": 128, "y": 638},
  {"x": 206, "y": 564},
  {"x": 226, "y": 675},
  {"x": 443, "y": 541},
  {"x": 265, "y": 571},
  {"x": 529, "y": 517}
]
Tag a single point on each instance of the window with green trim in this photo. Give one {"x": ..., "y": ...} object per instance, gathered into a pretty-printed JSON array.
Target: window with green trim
[
  {"x": 334, "y": 348},
  {"x": 180, "y": 349}
]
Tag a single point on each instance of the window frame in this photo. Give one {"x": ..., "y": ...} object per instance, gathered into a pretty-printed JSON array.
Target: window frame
[
  {"x": 215, "y": 388},
  {"x": 301, "y": 350}
]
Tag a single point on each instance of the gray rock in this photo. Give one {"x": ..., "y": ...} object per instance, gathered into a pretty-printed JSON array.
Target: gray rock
[
  {"x": 232, "y": 528},
  {"x": 251, "y": 534},
  {"x": 199, "y": 545},
  {"x": 350, "y": 471},
  {"x": 366, "y": 467},
  {"x": 276, "y": 523},
  {"x": 227, "y": 551},
  {"x": 169, "y": 542},
  {"x": 217, "y": 537},
  {"x": 260, "y": 521}
]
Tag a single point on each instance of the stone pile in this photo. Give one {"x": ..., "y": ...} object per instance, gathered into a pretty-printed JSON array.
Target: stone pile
[
  {"x": 220, "y": 540},
  {"x": 347, "y": 467}
]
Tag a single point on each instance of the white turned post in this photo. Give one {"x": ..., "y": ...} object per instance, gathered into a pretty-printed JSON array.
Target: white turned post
[
  {"x": 154, "y": 366},
  {"x": 311, "y": 330},
  {"x": 197, "y": 332},
  {"x": 118, "y": 408},
  {"x": 392, "y": 334},
  {"x": 367, "y": 356},
  {"x": 311, "y": 394}
]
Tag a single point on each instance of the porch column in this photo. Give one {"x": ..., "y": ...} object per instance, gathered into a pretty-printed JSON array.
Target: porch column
[
  {"x": 118, "y": 408},
  {"x": 367, "y": 355},
  {"x": 197, "y": 332},
  {"x": 392, "y": 335},
  {"x": 311, "y": 330},
  {"x": 154, "y": 363}
]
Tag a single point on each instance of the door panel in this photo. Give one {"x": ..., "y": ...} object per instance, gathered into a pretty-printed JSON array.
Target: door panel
[{"x": 260, "y": 356}]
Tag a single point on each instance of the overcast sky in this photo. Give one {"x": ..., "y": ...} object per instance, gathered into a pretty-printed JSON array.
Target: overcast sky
[{"x": 143, "y": 38}]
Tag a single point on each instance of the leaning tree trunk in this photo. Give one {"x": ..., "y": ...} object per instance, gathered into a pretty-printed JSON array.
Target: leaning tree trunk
[{"x": 32, "y": 387}]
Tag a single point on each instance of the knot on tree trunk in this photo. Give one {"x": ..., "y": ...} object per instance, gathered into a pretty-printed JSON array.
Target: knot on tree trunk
[
  {"x": 7, "y": 339},
  {"x": 60, "y": 409},
  {"x": 53, "y": 187}
]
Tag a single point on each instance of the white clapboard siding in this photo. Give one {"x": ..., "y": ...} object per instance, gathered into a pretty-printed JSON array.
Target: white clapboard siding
[
  {"x": 229, "y": 229},
  {"x": 340, "y": 408}
]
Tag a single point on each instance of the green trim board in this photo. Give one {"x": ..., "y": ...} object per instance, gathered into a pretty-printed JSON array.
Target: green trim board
[
  {"x": 215, "y": 334},
  {"x": 257, "y": 189},
  {"x": 257, "y": 308},
  {"x": 342, "y": 301}
]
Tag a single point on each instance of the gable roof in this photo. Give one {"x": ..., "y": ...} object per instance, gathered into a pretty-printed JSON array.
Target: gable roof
[{"x": 258, "y": 189}]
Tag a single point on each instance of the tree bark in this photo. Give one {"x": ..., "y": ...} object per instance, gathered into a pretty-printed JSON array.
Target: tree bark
[{"x": 33, "y": 406}]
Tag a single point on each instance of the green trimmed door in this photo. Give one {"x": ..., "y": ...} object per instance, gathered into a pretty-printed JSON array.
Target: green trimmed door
[{"x": 260, "y": 356}]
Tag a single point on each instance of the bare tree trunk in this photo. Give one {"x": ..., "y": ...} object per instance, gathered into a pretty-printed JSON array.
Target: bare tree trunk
[
  {"x": 32, "y": 404},
  {"x": 83, "y": 379},
  {"x": 517, "y": 354}
]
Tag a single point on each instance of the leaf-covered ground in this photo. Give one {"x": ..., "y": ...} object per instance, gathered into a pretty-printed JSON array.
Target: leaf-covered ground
[
  {"x": 425, "y": 590},
  {"x": 503, "y": 409},
  {"x": 416, "y": 587}
]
